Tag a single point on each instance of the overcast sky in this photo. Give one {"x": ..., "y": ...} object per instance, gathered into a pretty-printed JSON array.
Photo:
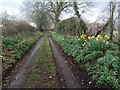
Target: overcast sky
[{"x": 13, "y": 7}]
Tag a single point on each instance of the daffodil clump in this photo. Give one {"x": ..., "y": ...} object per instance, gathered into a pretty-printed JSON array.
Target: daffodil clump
[
  {"x": 87, "y": 49},
  {"x": 83, "y": 36},
  {"x": 99, "y": 37}
]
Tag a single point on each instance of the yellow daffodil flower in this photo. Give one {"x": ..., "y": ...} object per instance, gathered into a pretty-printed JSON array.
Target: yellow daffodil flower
[
  {"x": 92, "y": 37},
  {"x": 83, "y": 36},
  {"x": 106, "y": 42},
  {"x": 100, "y": 37},
  {"x": 96, "y": 38},
  {"x": 89, "y": 37},
  {"x": 106, "y": 36}
]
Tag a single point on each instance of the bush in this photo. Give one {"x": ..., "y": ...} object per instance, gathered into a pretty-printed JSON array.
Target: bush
[{"x": 14, "y": 47}]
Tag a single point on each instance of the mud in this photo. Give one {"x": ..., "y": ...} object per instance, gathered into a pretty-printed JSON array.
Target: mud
[{"x": 68, "y": 80}]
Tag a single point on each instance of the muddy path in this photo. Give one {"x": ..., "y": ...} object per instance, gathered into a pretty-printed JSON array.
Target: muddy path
[
  {"x": 66, "y": 76},
  {"x": 21, "y": 72}
]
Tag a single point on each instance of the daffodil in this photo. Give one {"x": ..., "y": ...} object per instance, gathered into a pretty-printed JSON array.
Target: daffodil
[
  {"x": 92, "y": 37},
  {"x": 83, "y": 45},
  {"x": 96, "y": 38},
  {"x": 89, "y": 37},
  {"x": 99, "y": 36},
  {"x": 106, "y": 36},
  {"x": 83, "y": 36},
  {"x": 106, "y": 42}
]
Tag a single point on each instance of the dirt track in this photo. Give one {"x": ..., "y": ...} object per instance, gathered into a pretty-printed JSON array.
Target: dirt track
[
  {"x": 68, "y": 78},
  {"x": 21, "y": 72}
]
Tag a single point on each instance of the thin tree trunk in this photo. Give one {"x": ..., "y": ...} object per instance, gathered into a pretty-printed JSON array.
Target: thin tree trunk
[
  {"x": 111, "y": 19},
  {"x": 119, "y": 23},
  {"x": 103, "y": 28},
  {"x": 81, "y": 22},
  {"x": 57, "y": 19},
  {"x": 77, "y": 12}
]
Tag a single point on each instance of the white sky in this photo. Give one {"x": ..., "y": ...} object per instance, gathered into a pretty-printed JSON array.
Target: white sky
[
  {"x": 96, "y": 10},
  {"x": 13, "y": 7}
]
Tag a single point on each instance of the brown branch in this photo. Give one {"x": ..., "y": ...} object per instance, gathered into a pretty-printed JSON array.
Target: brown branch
[{"x": 103, "y": 28}]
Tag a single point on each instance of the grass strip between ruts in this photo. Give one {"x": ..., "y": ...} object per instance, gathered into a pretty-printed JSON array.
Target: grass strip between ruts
[{"x": 43, "y": 73}]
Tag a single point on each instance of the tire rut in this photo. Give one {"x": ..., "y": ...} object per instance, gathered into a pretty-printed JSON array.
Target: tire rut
[{"x": 70, "y": 80}]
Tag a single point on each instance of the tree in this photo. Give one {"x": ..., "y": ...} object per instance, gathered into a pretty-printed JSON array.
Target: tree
[
  {"x": 4, "y": 23},
  {"x": 109, "y": 18},
  {"x": 55, "y": 8},
  {"x": 9, "y": 24},
  {"x": 68, "y": 26},
  {"x": 82, "y": 24},
  {"x": 112, "y": 11},
  {"x": 39, "y": 14},
  {"x": 119, "y": 23}
]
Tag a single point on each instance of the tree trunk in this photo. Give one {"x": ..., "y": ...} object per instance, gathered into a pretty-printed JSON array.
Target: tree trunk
[
  {"x": 57, "y": 15},
  {"x": 103, "y": 28},
  {"x": 76, "y": 12},
  {"x": 119, "y": 23},
  {"x": 82, "y": 24},
  {"x": 111, "y": 19}
]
